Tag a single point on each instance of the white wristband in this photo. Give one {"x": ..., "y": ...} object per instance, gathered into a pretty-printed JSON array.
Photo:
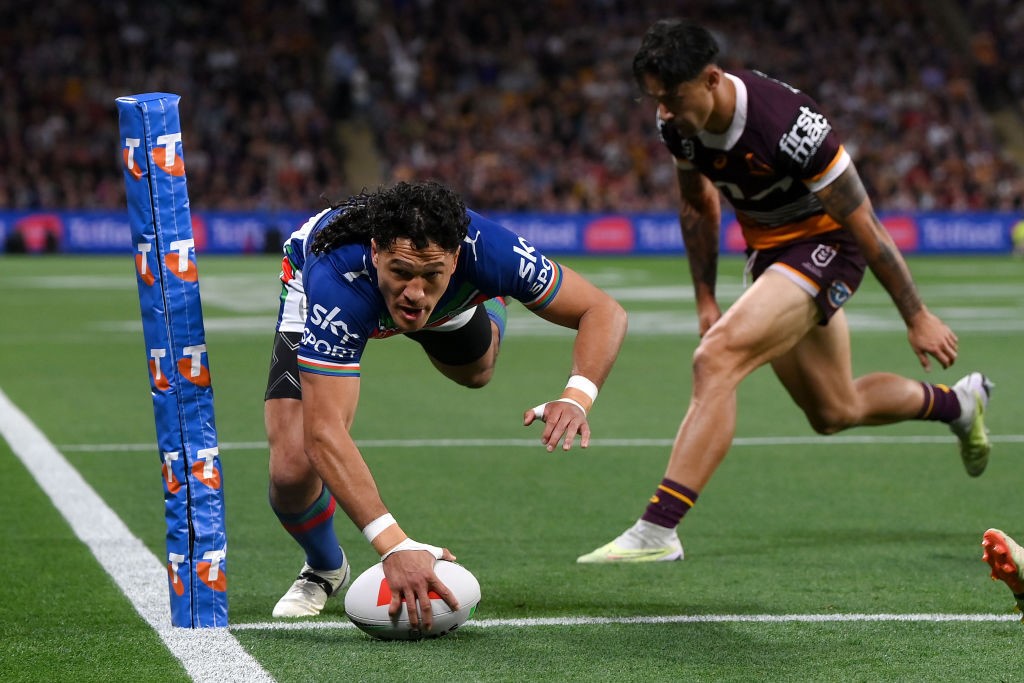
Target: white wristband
[
  {"x": 409, "y": 544},
  {"x": 373, "y": 529},
  {"x": 538, "y": 411},
  {"x": 583, "y": 384}
]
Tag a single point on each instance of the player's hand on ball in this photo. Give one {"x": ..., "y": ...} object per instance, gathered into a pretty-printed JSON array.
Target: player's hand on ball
[
  {"x": 563, "y": 420},
  {"x": 410, "y": 573}
]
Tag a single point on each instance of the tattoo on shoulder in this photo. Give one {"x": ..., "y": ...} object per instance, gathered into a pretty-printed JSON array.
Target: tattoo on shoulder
[{"x": 844, "y": 195}]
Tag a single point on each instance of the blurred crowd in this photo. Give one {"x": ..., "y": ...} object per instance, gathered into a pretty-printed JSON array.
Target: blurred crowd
[{"x": 520, "y": 106}]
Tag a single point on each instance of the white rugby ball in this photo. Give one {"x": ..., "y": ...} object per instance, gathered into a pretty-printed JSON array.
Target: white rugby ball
[{"x": 367, "y": 600}]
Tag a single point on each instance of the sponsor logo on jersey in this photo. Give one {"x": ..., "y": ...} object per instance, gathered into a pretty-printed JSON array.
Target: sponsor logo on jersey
[
  {"x": 838, "y": 293},
  {"x": 805, "y": 137},
  {"x": 338, "y": 350},
  {"x": 323, "y": 319}
]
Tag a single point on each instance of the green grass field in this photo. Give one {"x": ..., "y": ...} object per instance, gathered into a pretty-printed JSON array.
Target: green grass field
[{"x": 801, "y": 554}]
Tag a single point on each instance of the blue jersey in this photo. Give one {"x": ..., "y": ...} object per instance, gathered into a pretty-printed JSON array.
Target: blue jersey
[{"x": 344, "y": 307}]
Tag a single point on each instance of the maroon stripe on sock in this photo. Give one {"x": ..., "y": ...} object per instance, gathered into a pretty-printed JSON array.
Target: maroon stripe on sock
[{"x": 670, "y": 502}]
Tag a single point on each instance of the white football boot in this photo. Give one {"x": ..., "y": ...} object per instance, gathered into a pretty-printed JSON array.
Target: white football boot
[
  {"x": 642, "y": 542},
  {"x": 973, "y": 392},
  {"x": 309, "y": 593}
]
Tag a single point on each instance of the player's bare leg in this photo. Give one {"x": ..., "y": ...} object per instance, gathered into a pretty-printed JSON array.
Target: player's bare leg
[
  {"x": 765, "y": 322},
  {"x": 305, "y": 509},
  {"x": 294, "y": 484},
  {"x": 817, "y": 372}
]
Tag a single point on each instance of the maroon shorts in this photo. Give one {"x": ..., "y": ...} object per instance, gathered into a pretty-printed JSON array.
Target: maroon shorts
[{"x": 828, "y": 267}]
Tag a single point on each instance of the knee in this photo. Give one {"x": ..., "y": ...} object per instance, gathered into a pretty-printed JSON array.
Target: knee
[
  {"x": 476, "y": 379},
  {"x": 292, "y": 477},
  {"x": 713, "y": 361},
  {"x": 831, "y": 420}
]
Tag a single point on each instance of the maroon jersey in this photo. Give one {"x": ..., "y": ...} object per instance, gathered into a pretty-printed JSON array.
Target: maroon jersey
[{"x": 778, "y": 150}]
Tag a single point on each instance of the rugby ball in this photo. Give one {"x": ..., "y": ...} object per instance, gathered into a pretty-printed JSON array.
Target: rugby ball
[{"x": 367, "y": 600}]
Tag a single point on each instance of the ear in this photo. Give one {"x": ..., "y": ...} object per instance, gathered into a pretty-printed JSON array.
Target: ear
[
  {"x": 712, "y": 77},
  {"x": 455, "y": 258},
  {"x": 373, "y": 252}
]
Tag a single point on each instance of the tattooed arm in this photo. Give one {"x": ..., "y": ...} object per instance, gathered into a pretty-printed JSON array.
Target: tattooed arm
[
  {"x": 700, "y": 216},
  {"x": 847, "y": 202}
]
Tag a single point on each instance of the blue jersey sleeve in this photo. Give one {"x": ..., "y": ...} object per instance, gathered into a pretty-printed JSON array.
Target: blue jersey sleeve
[
  {"x": 503, "y": 263},
  {"x": 342, "y": 310}
]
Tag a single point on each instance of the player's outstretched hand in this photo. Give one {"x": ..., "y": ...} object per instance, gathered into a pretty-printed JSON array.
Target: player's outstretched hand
[
  {"x": 410, "y": 574},
  {"x": 929, "y": 336},
  {"x": 563, "y": 420}
]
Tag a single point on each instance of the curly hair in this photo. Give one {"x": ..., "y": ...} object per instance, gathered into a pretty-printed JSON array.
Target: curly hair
[
  {"x": 422, "y": 212},
  {"x": 674, "y": 51}
]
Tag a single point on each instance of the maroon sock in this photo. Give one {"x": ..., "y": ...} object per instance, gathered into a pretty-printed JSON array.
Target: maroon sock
[
  {"x": 669, "y": 503},
  {"x": 940, "y": 403}
]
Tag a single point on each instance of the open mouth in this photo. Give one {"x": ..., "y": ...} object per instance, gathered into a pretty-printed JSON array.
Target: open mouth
[{"x": 409, "y": 313}]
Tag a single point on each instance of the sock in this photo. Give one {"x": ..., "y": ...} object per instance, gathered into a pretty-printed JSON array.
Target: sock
[
  {"x": 669, "y": 503},
  {"x": 314, "y": 531},
  {"x": 497, "y": 311},
  {"x": 940, "y": 403}
]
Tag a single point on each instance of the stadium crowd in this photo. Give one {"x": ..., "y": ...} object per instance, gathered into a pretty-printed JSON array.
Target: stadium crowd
[{"x": 519, "y": 106}]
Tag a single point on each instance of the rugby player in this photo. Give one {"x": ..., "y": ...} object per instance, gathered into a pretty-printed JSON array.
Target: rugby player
[
  {"x": 810, "y": 230},
  {"x": 408, "y": 260}
]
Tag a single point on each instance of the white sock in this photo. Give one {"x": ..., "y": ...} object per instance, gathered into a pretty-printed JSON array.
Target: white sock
[{"x": 644, "y": 534}]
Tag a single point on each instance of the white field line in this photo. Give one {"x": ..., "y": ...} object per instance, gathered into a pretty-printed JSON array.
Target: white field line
[
  {"x": 208, "y": 654},
  {"x": 670, "y": 619},
  {"x": 810, "y": 440}
]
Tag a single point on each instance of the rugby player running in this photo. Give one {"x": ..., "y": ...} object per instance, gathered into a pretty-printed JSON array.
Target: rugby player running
[{"x": 810, "y": 230}]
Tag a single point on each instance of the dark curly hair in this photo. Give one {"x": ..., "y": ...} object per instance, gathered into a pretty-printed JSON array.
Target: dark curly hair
[
  {"x": 422, "y": 212},
  {"x": 674, "y": 51}
]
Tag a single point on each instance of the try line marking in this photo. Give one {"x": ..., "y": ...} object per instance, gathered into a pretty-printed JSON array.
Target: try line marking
[
  {"x": 673, "y": 619},
  {"x": 208, "y": 654},
  {"x": 810, "y": 440}
]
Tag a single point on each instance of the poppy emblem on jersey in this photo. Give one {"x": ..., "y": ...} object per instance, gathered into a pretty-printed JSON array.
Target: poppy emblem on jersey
[
  {"x": 384, "y": 594},
  {"x": 720, "y": 161},
  {"x": 838, "y": 293},
  {"x": 823, "y": 255}
]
